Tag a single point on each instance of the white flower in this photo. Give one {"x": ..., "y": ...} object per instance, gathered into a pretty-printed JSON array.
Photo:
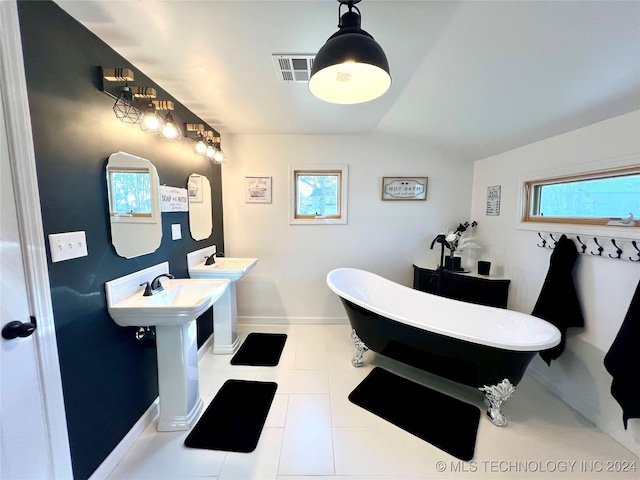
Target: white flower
[{"x": 452, "y": 237}]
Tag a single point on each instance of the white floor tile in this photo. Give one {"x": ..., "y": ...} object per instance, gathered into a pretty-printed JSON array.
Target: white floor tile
[
  {"x": 261, "y": 464},
  {"x": 313, "y": 432},
  {"x": 307, "y": 446},
  {"x": 296, "y": 381}
]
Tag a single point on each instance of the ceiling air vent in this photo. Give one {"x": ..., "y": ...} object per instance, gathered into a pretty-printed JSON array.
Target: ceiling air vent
[{"x": 293, "y": 68}]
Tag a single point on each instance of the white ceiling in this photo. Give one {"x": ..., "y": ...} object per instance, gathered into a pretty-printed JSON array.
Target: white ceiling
[{"x": 470, "y": 78}]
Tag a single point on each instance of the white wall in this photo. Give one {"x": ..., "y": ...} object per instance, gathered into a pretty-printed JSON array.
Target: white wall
[
  {"x": 385, "y": 237},
  {"x": 605, "y": 285}
]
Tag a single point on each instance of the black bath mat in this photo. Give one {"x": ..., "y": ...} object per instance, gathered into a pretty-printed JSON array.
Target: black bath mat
[
  {"x": 260, "y": 350},
  {"x": 234, "y": 419},
  {"x": 445, "y": 422}
]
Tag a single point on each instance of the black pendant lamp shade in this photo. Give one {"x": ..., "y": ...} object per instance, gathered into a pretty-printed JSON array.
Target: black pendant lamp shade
[{"x": 351, "y": 67}]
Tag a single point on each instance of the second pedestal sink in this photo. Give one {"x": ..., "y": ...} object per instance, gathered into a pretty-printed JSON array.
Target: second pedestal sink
[
  {"x": 172, "y": 312},
  {"x": 225, "y": 311}
]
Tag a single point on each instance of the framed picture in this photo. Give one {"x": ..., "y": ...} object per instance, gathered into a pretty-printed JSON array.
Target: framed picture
[
  {"x": 404, "y": 188},
  {"x": 195, "y": 188},
  {"x": 257, "y": 189},
  {"x": 493, "y": 200}
]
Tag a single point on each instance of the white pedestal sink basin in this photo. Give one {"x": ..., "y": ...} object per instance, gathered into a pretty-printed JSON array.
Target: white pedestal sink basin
[
  {"x": 225, "y": 312},
  {"x": 173, "y": 313}
]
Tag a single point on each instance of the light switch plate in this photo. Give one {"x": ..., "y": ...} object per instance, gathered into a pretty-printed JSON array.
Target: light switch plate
[
  {"x": 65, "y": 246},
  {"x": 176, "y": 231}
]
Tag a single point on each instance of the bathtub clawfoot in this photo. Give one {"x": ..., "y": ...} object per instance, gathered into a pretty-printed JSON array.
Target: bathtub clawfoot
[
  {"x": 357, "y": 361},
  {"x": 495, "y": 395}
]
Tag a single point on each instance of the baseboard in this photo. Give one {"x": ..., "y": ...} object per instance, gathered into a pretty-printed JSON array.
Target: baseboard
[
  {"x": 202, "y": 351},
  {"x": 118, "y": 453},
  {"x": 294, "y": 320}
]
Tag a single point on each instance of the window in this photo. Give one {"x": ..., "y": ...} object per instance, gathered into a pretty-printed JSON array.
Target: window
[
  {"x": 586, "y": 199},
  {"x": 318, "y": 195},
  {"x": 130, "y": 193}
]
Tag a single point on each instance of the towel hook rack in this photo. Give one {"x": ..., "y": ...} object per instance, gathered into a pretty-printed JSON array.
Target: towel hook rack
[
  {"x": 555, "y": 242},
  {"x": 544, "y": 242},
  {"x": 635, "y": 245},
  {"x": 600, "y": 249},
  {"x": 583, "y": 246},
  {"x": 618, "y": 250}
]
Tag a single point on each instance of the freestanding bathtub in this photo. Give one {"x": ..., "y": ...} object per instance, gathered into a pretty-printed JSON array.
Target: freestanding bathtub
[{"x": 484, "y": 347}]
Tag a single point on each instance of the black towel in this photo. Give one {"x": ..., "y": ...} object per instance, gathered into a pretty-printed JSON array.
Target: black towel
[
  {"x": 622, "y": 361},
  {"x": 558, "y": 301}
]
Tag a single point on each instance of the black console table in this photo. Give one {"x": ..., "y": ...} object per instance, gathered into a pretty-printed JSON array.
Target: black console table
[{"x": 469, "y": 287}]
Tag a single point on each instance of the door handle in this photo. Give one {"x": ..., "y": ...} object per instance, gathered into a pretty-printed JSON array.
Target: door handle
[{"x": 17, "y": 329}]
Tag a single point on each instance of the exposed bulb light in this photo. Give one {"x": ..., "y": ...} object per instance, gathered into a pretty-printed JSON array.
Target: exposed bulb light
[
  {"x": 200, "y": 146},
  {"x": 219, "y": 156},
  {"x": 351, "y": 67},
  {"x": 170, "y": 130},
  {"x": 150, "y": 121},
  {"x": 210, "y": 151}
]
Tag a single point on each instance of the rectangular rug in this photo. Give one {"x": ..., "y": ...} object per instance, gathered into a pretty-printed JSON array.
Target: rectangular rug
[
  {"x": 234, "y": 419},
  {"x": 443, "y": 421},
  {"x": 260, "y": 350}
]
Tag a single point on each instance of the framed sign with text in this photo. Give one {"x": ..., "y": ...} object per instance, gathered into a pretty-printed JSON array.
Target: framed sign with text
[{"x": 404, "y": 188}]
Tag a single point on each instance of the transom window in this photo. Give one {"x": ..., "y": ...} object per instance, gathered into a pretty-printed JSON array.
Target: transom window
[
  {"x": 588, "y": 199},
  {"x": 318, "y": 195}
]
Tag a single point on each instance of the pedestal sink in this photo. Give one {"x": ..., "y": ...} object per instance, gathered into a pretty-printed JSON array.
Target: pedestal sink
[
  {"x": 173, "y": 313},
  {"x": 225, "y": 312}
]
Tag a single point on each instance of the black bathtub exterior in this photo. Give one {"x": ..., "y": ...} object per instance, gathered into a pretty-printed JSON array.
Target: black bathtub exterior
[{"x": 463, "y": 362}]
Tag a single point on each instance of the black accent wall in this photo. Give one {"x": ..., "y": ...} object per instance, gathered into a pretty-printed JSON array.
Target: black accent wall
[{"x": 109, "y": 378}]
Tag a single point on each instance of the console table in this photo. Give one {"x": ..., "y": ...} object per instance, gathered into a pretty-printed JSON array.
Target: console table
[{"x": 469, "y": 287}]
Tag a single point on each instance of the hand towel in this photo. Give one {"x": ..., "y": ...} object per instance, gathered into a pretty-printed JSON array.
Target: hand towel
[
  {"x": 558, "y": 301},
  {"x": 622, "y": 361}
]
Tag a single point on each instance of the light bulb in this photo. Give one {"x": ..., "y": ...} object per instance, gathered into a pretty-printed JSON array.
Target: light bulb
[
  {"x": 170, "y": 130},
  {"x": 150, "y": 120},
  {"x": 219, "y": 157}
]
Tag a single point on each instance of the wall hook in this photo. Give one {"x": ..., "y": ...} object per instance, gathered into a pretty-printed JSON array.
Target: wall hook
[
  {"x": 544, "y": 242},
  {"x": 583, "y": 247},
  {"x": 635, "y": 245},
  {"x": 600, "y": 249},
  {"x": 618, "y": 250},
  {"x": 555, "y": 242}
]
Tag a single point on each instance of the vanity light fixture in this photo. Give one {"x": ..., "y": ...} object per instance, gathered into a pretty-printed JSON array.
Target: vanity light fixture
[
  {"x": 125, "y": 108},
  {"x": 219, "y": 156},
  {"x": 210, "y": 151},
  {"x": 199, "y": 139},
  {"x": 168, "y": 129},
  {"x": 150, "y": 122},
  {"x": 351, "y": 67}
]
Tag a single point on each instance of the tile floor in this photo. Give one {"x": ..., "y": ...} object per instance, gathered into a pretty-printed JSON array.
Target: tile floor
[{"x": 314, "y": 432}]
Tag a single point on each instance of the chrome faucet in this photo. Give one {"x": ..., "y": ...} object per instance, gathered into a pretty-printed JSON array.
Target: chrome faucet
[{"x": 155, "y": 286}]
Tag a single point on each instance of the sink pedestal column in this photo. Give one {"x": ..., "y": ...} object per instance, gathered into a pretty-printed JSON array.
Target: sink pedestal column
[
  {"x": 180, "y": 402},
  {"x": 225, "y": 322}
]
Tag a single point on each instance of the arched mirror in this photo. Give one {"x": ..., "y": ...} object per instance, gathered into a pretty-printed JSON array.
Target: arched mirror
[
  {"x": 200, "y": 212},
  {"x": 134, "y": 205}
]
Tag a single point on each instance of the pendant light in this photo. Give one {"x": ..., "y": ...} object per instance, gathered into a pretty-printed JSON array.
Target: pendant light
[{"x": 351, "y": 67}]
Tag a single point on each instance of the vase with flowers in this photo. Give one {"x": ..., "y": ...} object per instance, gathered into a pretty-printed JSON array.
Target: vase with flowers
[{"x": 456, "y": 240}]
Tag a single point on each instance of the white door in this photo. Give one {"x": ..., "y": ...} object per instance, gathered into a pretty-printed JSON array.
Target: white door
[{"x": 33, "y": 434}]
